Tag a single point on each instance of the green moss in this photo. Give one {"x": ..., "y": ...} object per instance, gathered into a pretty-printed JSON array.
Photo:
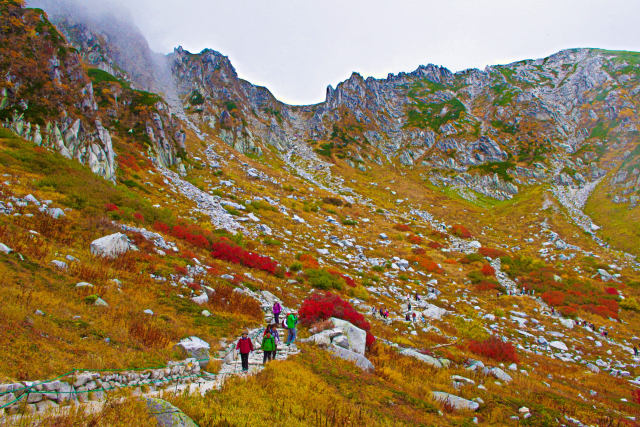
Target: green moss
[
  {"x": 322, "y": 279},
  {"x": 499, "y": 168},
  {"x": 430, "y": 115}
]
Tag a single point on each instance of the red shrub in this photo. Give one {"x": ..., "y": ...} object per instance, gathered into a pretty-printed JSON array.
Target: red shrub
[
  {"x": 308, "y": 261},
  {"x": 460, "y": 231},
  {"x": 435, "y": 245},
  {"x": 485, "y": 285},
  {"x": 430, "y": 266},
  {"x": 348, "y": 280},
  {"x": 402, "y": 227},
  {"x": 450, "y": 261},
  {"x": 494, "y": 348},
  {"x": 138, "y": 216},
  {"x": 419, "y": 251},
  {"x": 554, "y": 298},
  {"x": 237, "y": 255},
  {"x": 181, "y": 270},
  {"x": 568, "y": 311},
  {"x": 487, "y": 270},
  {"x": 162, "y": 227},
  {"x": 416, "y": 240},
  {"x": 195, "y": 286},
  {"x": 611, "y": 291},
  {"x": 110, "y": 207},
  {"x": 635, "y": 395},
  {"x": 128, "y": 162},
  {"x": 321, "y": 306},
  {"x": 491, "y": 252}
]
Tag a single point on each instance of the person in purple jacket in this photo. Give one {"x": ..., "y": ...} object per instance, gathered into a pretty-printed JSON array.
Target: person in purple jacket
[{"x": 277, "y": 309}]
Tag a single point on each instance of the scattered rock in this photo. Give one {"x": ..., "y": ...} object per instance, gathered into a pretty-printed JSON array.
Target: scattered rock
[
  {"x": 456, "y": 402},
  {"x": 111, "y": 246},
  {"x": 197, "y": 348},
  {"x": 360, "y": 361}
]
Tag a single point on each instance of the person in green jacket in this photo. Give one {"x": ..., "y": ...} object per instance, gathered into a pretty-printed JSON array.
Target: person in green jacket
[
  {"x": 268, "y": 347},
  {"x": 292, "y": 321}
]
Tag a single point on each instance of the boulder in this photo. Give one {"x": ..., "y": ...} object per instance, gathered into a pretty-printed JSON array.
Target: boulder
[
  {"x": 434, "y": 312},
  {"x": 432, "y": 361},
  {"x": 357, "y": 337},
  {"x": 111, "y": 246},
  {"x": 593, "y": 368},
  {"x": 456, "y": 402},
  {"x": 5, "y": 249},
  {"x": 501, "y": 375},
  {"x": 56, "y": 213},
  {"x": 84, "y": 285},
  {"x": 201, "y": 299},
  {"x": 59, "y": 264},
  {"x": 197, "y": 348},
  {"x": 559, "y": 345},
  {"x": 567, "y": 323},
  {"x": 168, "y": 415},
  {"x": 360, "y": 361}
]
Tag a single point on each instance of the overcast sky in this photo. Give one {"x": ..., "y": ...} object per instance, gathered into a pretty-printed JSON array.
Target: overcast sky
[{"x": 298, "y": 47}]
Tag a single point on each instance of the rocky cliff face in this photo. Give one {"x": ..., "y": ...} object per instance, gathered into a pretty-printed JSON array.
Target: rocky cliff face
[
  {"x": 507, "y": 121},
  {"x": 486, "y": 131},
  {"x": 48, "y": 96}
]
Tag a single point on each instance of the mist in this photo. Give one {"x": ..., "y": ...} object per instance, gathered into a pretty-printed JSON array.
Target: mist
[{"x": 297, "y": 48}]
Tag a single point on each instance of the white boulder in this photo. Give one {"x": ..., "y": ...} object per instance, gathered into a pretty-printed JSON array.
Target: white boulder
[
  {"x": 434, "y": 312},
  {"x": 197, "y": 348},
  {"x": 456, "y": 402},
  {"x": 357, "y": 337},
  {"x": 111, "y": 246}
]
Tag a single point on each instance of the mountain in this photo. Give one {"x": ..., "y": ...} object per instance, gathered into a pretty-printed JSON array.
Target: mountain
[{"x": 152, "y": 207}]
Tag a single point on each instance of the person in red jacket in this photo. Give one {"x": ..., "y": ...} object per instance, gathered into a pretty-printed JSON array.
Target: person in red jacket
[{"x": 245, "y": 346}]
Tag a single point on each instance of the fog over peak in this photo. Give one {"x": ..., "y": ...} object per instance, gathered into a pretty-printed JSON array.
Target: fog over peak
[{"x": 298, "y": 48}]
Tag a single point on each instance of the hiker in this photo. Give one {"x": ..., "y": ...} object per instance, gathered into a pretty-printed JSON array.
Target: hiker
[
  {"x": 417, "y": 297},
  {"x": 277, "y": 309},
  {"x": 409, "y": 306},
  {"x": 424, "y": 319},
  {"x": 635, "y": 351},
  {"x": 292, "y": 320},
  {"x": 381, "y": 311},
  {"x": 414, "y": 316},
  {"x": 273, "y": 330},
  {"x": 406, "y": 317},
  {"x": 245, "y": 346},
  {"x": 268, "y": 347},
  {"x": 386, "y": 313}
]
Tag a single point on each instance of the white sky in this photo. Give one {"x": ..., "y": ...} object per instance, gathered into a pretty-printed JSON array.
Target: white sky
[{"x": 298, "y": 47}]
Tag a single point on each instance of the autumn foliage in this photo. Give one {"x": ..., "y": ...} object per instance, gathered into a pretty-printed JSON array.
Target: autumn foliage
[
  {"x": 494, "y": 348},
  {"x": 491, "y": 252},
  {"x": 237, "y": 255},
  {"x": 460, "y": 231},
  {"x": 321, "y": 306},
  {"x": 487, "y": 270}
]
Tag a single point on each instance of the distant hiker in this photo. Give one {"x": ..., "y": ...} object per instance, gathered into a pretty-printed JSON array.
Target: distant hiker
[
  {"x": 245, "y": 346},
  {"x": 292, "y": 320},
  {"x": 417, "y": 297},
  {"x": 424, "y": 319},
  {"x": 407, "y": 317},
  {"x": 414, "y": 316},
  {"x": 635, "y": 351},
  {"x": 381, "y": 311},
  {"x": 409, "y": 306},
  {"x": 277, "y": 309},
  {"x": 386, "y": 313},
  {"x": 273, "y": 330},
  {"x": 268, "y": 347}
]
